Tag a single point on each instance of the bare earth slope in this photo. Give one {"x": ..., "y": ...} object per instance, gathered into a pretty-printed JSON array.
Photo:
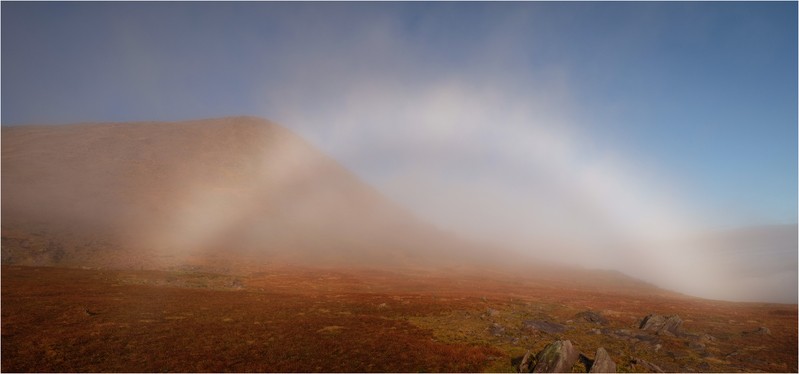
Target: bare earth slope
[{"x": 196, "y": 192}]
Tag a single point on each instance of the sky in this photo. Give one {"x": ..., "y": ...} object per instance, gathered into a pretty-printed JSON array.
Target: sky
[{"x": 597, "y": 126}]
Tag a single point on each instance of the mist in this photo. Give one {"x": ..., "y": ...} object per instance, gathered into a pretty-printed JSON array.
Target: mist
[
  {"x": 539, "y": 128},
  {"x": 493, "y": 150}
]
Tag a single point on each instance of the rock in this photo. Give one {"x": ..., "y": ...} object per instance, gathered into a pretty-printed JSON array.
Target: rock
[
  {"x": 596, "y": 331},
  {"x": 491, "y": 312},
  {"x": 89, "y": 312},
  {"x": 632, "y": 337},
  {"x": 602, "y": 362},
  {"x": 557, "y": 357},
  {"x": 592, "y": 317},
  {"x": 583, "y": 364},
  {"x": 646, "y": 364},
  {"x": 696, "y": 346},
  {"x": 544, "y": 326},
  {"x": 496, "y": 329},
  {"x": 759, "y": 331},
  {"x": 528, "y": 362},
  {"x": 661, "y": 325}
]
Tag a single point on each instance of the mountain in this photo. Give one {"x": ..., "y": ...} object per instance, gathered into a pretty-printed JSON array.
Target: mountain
[{"x": 219, "y": 193}]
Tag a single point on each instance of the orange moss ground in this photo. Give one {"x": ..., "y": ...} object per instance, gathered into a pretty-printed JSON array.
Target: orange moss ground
[{"x": 292, "y": 319}]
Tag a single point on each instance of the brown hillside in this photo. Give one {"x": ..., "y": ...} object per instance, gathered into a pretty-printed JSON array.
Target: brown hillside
[{"x": 203, "y": 192}]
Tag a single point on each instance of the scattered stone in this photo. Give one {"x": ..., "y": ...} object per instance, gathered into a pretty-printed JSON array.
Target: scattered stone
[
  {"x": 382, "y": 306},
  {"x": 592, "y": 317},
  {"x": 236, "y": 284},
  {"x": 658, "y": 346},
  {"x": 496, "y": 329},
  {"x": 632, "y": 337},
  {"x": 583, "y": 362},
  {"x": 646, "y": 364},
  {"x": 557, "y": 357},
  {"x": 696, "y": 346},
  {"x": 661, "y": 325},
  {"x": 528, "y": 363},
  {"x": 544, "y": 326},
  {"x": 678, "y": 354},
  {"x": 492, "y": 312},
  {"x": 602, "y": 362},
  {"x": 759, "y": 331},
  {"x": 89, "y": 312},
  {"x": 596, "y": 331}
]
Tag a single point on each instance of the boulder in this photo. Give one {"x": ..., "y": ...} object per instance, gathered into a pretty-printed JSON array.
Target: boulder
[
  {"x": 496, "y": 329},
  {"x": 759, "y": 331},
  {"x": 661, "y": 325},
  {"x": 592, "y": 317},
  {"x": 528, "y": 363},
  {"x": 557, "y": 357},
  {"x": 544, "y": 326},
  {"x": 646, "y": 364},
  {"x": 602, "y": 362}
]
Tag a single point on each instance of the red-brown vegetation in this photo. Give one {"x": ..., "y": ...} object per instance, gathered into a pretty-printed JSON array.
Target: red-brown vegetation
[{"x": 300, "y": 319}]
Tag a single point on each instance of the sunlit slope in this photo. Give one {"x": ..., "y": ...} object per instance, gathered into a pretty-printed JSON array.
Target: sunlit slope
[{"x": 219, "y": 191}]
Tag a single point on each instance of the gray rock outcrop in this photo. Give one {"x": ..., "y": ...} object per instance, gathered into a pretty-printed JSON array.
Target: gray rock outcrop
[
  {"x": 602, "y": 362},
  {"x": 661, "y": 325},
  {"x": 592, "y": 317},
  {"x": 557, "y": 357},
  {"x": 544, "y": 326}
]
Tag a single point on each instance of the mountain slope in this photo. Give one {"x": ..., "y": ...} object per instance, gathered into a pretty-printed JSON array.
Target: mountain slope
[{"x": 208, "y": 191}]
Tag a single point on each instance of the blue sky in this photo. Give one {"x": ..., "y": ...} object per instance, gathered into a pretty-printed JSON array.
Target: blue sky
[{"x": 693, "y": 103}]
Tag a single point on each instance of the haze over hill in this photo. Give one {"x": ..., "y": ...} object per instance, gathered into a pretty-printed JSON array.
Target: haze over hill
[
  {"x": 153, "y": 194},
  {"x": 235, "y": 193}
]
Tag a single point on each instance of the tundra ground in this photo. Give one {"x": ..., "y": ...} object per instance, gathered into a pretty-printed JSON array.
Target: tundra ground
[{"x": 349, "y": 320}]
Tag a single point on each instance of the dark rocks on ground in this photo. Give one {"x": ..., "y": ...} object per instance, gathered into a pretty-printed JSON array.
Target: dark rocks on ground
[
  {"x": 557, "y": 357},
  {"x": 584, "y": 361},
  {"x": 696, "y": 346},
  {"x": 759, "y": 331},
  {"x": 602, "y": 362},
  {"x": 89, "y": 312},
  {"x": 630, "y": 336},
  {"x": 236, "y": 284},
  {"x": 528, "y": 363},
  {"x": 646, "y": 364},
  {"x": 592, "y": 317},
  {"x": 661, "y": 325},
  {"x": 678, "y": 354},
  {"x": 544, "y": 326},
  {"x": 496, "y": 329}
]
